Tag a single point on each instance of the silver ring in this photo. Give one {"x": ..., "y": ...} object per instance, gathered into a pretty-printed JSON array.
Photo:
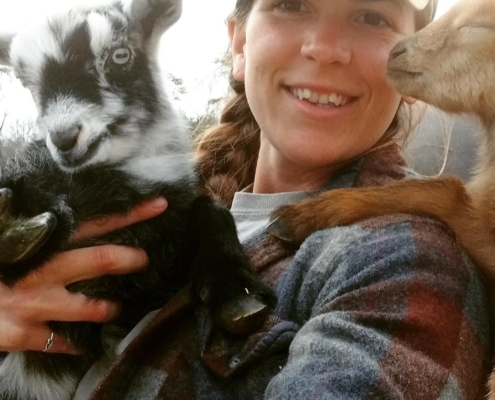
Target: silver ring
[{"x": 49, "y": 342}]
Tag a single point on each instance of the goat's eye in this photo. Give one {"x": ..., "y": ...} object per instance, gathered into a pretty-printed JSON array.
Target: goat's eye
[{"x": 121, "y": 56}]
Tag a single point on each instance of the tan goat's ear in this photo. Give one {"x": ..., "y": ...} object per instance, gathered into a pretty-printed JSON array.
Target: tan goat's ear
[{"x": 409, "y": 100}]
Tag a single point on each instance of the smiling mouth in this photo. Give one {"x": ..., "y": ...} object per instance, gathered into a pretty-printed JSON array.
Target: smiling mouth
[{"x": 325, "y": 100}]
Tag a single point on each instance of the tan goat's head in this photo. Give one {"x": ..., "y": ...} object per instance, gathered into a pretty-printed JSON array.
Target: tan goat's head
[{"x": 450, "y": 64}]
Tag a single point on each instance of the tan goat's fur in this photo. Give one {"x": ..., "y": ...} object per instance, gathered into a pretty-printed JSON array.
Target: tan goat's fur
[{"x": 450, "y": 64}]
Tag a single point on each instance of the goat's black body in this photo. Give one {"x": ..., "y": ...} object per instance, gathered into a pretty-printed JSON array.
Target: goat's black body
[
  {"x": 194, "y": 238},
  {"x": 104, "y": 115},
  {"x": 39, "y": 185}
]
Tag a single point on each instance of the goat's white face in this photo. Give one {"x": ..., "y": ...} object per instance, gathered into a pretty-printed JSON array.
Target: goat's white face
[
  {"x": 94, "y": 79},
  {"x": 450, "y": 63}
]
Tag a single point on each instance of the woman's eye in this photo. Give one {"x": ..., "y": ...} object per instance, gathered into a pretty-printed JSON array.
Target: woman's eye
[
  {"x": 290, "y": 6},
  {"x": 374, "y": 19}
]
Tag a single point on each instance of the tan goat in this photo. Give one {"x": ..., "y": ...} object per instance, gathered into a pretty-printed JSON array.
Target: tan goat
[{"x": 449, "y": 64}]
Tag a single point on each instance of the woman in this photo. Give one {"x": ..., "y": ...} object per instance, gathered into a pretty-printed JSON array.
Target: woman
[{"x": 387, "y": 308}]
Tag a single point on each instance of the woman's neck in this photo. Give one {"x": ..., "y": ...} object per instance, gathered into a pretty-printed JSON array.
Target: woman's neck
[{"x": 277, "y": 174}]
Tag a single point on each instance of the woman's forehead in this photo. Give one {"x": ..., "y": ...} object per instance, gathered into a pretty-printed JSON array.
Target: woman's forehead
[
  {"x": 425, "y": 9},
  {"x": 417, "y": 4}
]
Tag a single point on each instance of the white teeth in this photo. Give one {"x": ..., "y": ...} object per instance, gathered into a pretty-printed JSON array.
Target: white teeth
[
  {"x": 323, "y": 99},
  {"x": 316, "y": 98}
]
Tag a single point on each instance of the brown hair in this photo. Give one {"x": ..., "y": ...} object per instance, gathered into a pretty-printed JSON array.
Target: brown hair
[{"x": 227, "y": 153}]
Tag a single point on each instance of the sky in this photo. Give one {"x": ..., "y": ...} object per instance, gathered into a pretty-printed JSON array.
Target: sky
[{"x": 188, "y": 49}]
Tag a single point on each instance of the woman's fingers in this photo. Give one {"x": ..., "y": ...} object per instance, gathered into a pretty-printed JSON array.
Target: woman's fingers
[
  {"x": 25, "y": 309},
  {"x": 87, "y": 263},
  {"x": 145, "y": 210},
  {"x": 57, "y": 304},
  {"x": 36, "y": 338},
  {"x": 42, "y": 295}
]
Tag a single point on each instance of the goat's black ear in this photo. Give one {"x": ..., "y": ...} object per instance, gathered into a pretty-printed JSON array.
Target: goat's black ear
[
  {"x": 5, "y": 41},
  {"x": 153, "y": 17}
]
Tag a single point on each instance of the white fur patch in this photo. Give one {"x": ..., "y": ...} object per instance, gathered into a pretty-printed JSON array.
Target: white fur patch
[
  {"x": 67, "y": 22},
  {"x": 162, "y": 168},
  {"x": 33, "y": 47},
  {"x": 16, "y": 380},
  {"x": 100, "y": 32}
]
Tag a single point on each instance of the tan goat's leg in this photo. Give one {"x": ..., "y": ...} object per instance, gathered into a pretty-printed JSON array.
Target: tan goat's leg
[{"x": 445, "y": 199}]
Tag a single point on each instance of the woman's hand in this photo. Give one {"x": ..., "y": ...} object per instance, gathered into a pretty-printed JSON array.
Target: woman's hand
[{"x": 26, "y": 308}]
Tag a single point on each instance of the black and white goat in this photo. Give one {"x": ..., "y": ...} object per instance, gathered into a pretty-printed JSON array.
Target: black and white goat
[{"x": 110, "y": 140}]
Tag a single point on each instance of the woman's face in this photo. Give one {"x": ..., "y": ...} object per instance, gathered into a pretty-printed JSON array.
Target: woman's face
[{"x": 314, "y": 73}]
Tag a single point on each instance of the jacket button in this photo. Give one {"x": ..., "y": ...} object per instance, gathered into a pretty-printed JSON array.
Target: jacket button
[{"x": 234, "y": 361}]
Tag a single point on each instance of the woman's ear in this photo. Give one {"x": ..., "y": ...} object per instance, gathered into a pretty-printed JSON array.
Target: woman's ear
[
  {"x": 237, "y": 38},
  {"x": 409, "y": 100}
]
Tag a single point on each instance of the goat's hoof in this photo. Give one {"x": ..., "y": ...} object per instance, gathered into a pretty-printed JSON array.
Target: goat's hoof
[
  {"x": 281, "y": 231},
  {"x": 292, "y": 223},
  {"x": 5, "y": 205},
  {"x": 24, "y": 238},
  {"x": 243, "y": 314}
]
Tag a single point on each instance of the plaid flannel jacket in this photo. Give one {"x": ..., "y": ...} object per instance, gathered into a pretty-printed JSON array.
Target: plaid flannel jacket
[{"x": 389, "y": 308}]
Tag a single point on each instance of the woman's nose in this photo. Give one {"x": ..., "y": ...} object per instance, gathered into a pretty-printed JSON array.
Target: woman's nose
[{"x": 327, "y": 43}]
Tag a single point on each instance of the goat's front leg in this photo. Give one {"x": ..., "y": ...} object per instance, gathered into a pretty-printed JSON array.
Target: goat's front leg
[
  {"x": 21, "y": 238},
  {"x": 445, "y": 199},
  {"x": 223, "y": 279}
]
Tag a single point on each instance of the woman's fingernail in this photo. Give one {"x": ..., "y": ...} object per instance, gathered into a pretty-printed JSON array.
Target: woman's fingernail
[
  {"x": 114, "y": 310},
  {"x": 160, "y": 203},
  {"x": 143, "y": 261},
  {"x": 100, "y": 222}
]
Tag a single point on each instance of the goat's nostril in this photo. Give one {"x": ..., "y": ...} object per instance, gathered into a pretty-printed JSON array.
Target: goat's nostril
[
  {"x": 66, "y": 139},
  {"x": 399, "y": 49}
]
